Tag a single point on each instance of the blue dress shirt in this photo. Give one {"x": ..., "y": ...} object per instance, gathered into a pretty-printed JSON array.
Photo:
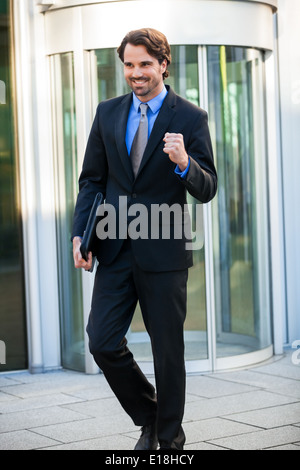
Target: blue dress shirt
[{"x": 154, "y": 106}]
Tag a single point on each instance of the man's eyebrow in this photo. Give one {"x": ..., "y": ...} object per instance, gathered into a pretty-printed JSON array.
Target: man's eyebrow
[{"x": 143, "y": 62}]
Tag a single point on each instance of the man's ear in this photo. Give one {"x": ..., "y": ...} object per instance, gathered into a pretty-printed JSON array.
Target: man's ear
[{"x": 164, "y": 65}]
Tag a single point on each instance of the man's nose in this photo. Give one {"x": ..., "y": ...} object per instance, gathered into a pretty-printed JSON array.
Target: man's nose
[{"x": 137, "y": 72}]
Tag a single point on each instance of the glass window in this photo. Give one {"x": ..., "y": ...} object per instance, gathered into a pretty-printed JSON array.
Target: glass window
[
  {"x": 110, "y": 77},
  {"x": 70, "y": 288},
  {"x": 12, "y": 302},
  {"x": 236, "y": 110}
]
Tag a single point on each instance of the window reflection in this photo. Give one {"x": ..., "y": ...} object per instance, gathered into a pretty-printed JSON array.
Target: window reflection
[
  {"x": 235, "y": 78},
  {"x": 12, "y": 302},
  {"x": 110, "y": 77},
  {"x": 184, "y": 79},
  {"x": 70, "y": 289}
]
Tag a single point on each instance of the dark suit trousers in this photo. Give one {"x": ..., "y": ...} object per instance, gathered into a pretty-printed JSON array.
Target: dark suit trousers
[{"x": 162, "y": 297}]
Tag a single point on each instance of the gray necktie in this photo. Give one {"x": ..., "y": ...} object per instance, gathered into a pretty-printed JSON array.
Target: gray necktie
[{"x": 140, "y": 140}]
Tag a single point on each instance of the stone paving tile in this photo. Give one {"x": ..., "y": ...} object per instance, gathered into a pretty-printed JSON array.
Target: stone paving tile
[
  {"x": 214, "y": 428},
  {"x": 283, "y": 368},
  {"x": 190, "y": 398},
  {"x": 118, "y": 442},
  {"x": 223, "y": 406},
  {"x": 44, "y": 384},
  {"x": 4, "y": 397},
  {"x": 17, "y": 404},
  {"x": 269, "y": 417},
  {"x": 210, "y": 387},
  {"x": 202, "y": 446},
  {"x": 6, "y": 380},
  {"x": 23, "y": 440},
  {"x": 283, "y": 385},
  {"x": 285, "y": 447},
  {"x": 260, "y": 439},
  {"x": 58, "y": 377},
  {"x": 87, "y": 429},
  {"x": 97, "y": 408},
  {"x": 43, "y": 416},
  {"x": 98, "y": 392}
]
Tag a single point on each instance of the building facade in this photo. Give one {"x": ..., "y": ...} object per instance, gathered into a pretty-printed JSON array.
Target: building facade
[{"x": 237, "y": 59}]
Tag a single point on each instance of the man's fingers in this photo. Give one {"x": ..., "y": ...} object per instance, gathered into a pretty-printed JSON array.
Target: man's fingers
[
  {"x": 173, "y": 142},
  {"x": 89, "y": 262},
  {"x": 173, "y": 137},
  {"x": 79, "y": 262}
]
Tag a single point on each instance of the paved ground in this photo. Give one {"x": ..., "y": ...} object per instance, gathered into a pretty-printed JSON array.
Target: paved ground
[{"x": 254, "y": 408}]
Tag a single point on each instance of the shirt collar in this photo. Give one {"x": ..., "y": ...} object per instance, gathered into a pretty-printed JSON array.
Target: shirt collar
[{"x": 154, "y": 104}]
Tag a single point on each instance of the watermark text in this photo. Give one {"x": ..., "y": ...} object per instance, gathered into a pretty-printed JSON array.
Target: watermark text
[
  {"x": 157, "y": 221},
  {"x": 296, "y": 354},
  {"x": 2, "y": 352}
]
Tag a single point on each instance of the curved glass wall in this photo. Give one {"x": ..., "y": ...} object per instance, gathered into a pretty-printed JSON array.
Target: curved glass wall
[
  {"x": 228, "y": 289},
  {"x": 235, "y": 102}
]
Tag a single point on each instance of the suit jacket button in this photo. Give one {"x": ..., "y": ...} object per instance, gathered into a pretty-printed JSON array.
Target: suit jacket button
[{"x": 134, "y": 196}]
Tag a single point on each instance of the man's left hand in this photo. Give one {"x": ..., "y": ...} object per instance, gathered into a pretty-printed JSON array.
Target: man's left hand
[{"x": 174, "y": 147}]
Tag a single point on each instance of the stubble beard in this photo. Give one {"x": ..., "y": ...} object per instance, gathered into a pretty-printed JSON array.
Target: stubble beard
[{"x": 144, "y": 90}]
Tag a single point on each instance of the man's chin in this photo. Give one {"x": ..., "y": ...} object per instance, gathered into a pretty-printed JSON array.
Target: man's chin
[{"x": 140, "y": 91}]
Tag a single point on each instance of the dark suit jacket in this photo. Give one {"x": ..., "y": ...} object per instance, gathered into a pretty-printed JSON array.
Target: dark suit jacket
[{"x": 107, "y": 168}]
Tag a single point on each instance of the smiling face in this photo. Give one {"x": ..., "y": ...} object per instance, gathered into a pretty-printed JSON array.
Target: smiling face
[{"x": 143, "y": 72}]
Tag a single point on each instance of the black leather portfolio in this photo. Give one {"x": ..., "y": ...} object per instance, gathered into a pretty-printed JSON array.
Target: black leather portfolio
[{"x": 89, "y": 236}]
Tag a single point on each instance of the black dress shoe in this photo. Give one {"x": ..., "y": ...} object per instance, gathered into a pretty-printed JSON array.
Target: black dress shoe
[{"x": 148, "y": 439}]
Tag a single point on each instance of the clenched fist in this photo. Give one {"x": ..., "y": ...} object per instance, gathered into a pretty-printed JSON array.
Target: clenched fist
[{"x": 174, "y": 147}]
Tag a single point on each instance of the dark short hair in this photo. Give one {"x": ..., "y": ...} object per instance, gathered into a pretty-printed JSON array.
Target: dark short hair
[{"x": 154, "y": 41}]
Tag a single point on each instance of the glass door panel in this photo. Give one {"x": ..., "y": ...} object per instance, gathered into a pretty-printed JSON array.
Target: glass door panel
[
  {"x": 12, "y": 300},
  {"x": 235, "y": 93},
  {"x": 184, "y": 79},
  {"x": 110, "y": 77},
  {"x": 70, "y": 286}
]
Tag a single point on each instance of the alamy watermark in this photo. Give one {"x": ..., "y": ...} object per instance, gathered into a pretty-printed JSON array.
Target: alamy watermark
[
  {"x": 158, "y": 221},
  {"x": 296, "y": 354},
  {"x": 2, "y": 352}
]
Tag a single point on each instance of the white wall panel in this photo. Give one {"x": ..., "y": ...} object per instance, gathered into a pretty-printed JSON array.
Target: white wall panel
[
  {"x": 289, "y": 72},
  {"x": 247, "y": 24}
]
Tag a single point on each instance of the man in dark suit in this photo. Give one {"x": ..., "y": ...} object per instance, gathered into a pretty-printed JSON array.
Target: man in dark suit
[{"x": 150, "y": 269}]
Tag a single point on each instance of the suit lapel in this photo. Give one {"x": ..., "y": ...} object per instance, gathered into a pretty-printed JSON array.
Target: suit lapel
[
  {"x": 161, "y": 124},
  {"x": 120, "y": 133}
]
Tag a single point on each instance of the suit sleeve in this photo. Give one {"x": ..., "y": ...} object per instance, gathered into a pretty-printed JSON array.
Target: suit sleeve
[
  {"x": 201, "y": 179},
  {"x": 92, "y": 179}
]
